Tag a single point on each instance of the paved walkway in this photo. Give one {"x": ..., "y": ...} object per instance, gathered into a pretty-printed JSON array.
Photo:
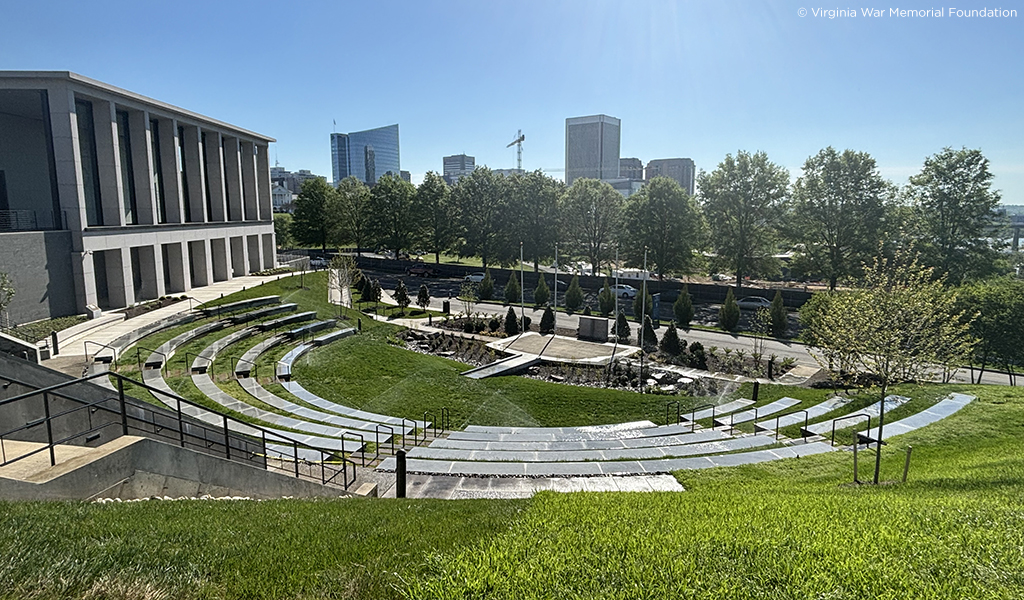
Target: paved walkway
[{"x": 464, "y": 488}]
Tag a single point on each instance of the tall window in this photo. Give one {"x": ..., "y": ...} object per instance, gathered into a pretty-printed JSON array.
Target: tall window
[
  {"x": 124, "y": 147},
  {"x": 158, "y": 179},
  {"x": 184, "y": 174},
  {"x": 206, "y": 177},
  {"x": 90, "y": 166}
]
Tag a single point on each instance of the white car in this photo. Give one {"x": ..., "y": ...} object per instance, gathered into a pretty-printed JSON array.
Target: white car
[
  {"x": 624, "y": 291},
  {"x": 474, "y": 277},
  {"x": 318, "y": 263},
  {"x": 754, "y": 302}
]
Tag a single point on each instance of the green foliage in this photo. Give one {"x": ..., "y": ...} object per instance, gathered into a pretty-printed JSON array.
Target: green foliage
[
  {"x": 698, "y": 359},
  {"x": 999, "y": 326},
  {"x": 401, "y": 296},
  {"x": 532, "y": 214},
  {"x": 643, "y": 304},
  {"x": 423, "y": 297},
  {"x": 650, "y": 339},
  {"x": 486, "y": 289},
  {"x": 682, "y": 308},
  {"x": 482, "y": 202},
  {"x": 670, "y": 341},
  {"x": 541, "y": 294},
  {"x": 438, "y": 213},
  {"x": 574, "y": 295},
  {"x": 547, "y": 321},
  {"x": 513, "y": 292},
  {"x": 621, "y": 329},
  {"x": 354, "y": 208},
  {"x": 667, "y": 221},
  {"x": 729, "y": 314},
  {"x": 7, "y": 291},
  {"x": 394, "y": 216},
  {"x": 780, "y": 318},
  {"x": 591, "y": 213},
  {"x": 606, "y": 300},
  {"x": 283, "y": 230},
  {"x": 511, "y": 322},
  {"x": 376, "y": 292},
  {"x": 316, "y": 219}
]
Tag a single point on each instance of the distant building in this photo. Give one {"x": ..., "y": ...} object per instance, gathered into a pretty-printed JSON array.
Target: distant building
[
  {"x": 406, "y": 176},
  {"x": 291, "y": 181},
  {"x": 626, "y": 187},
  {"x": 282, "y": 197},
  {"x": 507, "y": 172},
  {"x": 366, "y": 155},
  {"x": 631, "y": 168},
  {"x": 680, "y": 169},
  {"x": 591, "y": 148},
  {"x": 458, "y": 166}
]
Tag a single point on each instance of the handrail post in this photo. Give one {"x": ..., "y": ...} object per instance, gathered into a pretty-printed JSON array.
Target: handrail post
[
  {"x": 49, "y": 428},
  {"x": 295, "y": 448},
  {"x": 400, "y": 474},
  {"x": 124, "y": 409},
  {"x": 906, "y": 464},
  {"x": 181, "y": 425},
  {"x": 227, "y": 439}
]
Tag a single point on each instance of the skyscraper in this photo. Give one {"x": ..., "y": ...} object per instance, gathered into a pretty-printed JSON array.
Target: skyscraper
[
  {"x": 366, "y": 155},
  {"x": 456, "y": 166},
  {"x": 631, "y": 168},
  {"x": 680, "y": 169},
  {"x": 591, "y": 148}
]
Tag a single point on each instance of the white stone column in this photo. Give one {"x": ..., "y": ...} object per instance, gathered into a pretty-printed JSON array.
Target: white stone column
[
  {"x": 169, "y": 176},
  {"x": 142, "y": 165},
  {"x": 108, "y": 162},
  {"x": 194, "y": 170},
  {"x": 239, "y": 256},
  {"x": 68, "y": 160},
  {"x": 214, "y": 165},
  {"x": 233, "y": 173},
  {"x": 249, "y": 193}
]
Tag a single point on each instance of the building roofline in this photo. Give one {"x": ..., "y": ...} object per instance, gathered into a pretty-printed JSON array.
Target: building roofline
[{"x": 106, "y": 87}]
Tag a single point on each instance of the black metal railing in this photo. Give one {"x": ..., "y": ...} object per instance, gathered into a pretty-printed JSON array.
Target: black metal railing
[
  {"x": 668, "y": 411},
  {"x": 693, "y": 415},
  {"x": 231, "y": 438},
  {"x": 138, "y": 358},
  {"x": 446, "y": 419},
  {"x": 85, "y": 346},
  {"x": 391, "y": 436},
  {"x": 834, "y": 421}
]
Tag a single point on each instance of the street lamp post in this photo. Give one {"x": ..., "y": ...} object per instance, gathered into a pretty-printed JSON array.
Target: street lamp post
[
  {"x": 643, "y": 321},
  {"x": 522, "y": 288}
]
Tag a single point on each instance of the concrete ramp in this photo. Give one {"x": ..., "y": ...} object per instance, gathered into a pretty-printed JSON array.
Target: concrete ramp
[{"x": 505, "y": 366}]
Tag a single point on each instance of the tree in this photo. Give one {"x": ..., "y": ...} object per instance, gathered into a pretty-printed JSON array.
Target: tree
[
  {"x": 486, "y": 289},
  {"x": 355, "y": 212},
  {"x": 533, "y": 214},
  {"x": 837, "y": 212},
  {"x": 606, "y": 300},
  {"x": 904, "y": 325},
  {"x": 401, "y": 296},
  {"x": 591, "y": 213},
  {"x": 999, "y": 327},
  {"x": 670, "y": 341},
  {"x": 282, "y": 230},
  {"x": 743, "y": 201},
  {"x": 394, "y": 219},
  {"x": 621, "y": 329},
  {"x": 376, "y": 292},
  {"x": 663, "y": 218},
  {"x": 423, "y": 298},
  {"x": 481, "y": 199},
  {"x": 7, "y": 292},
  {"x": 547, "y": 321},
  {"x": 682, "y": 308},
  {"x": 650, "y": 338},
  {"x": 574, "y": 295},
  {"x": 315, "y": 220},
  {"x": 780, "y": 319},
  {"x": 511, "y": 322},
  {"x": 956, "y": 210},
  {"x": 541, "y": 293},
  {"x": 513, "y": 293},
  {"x": 438, "y": 213},
  {"x": 342, "y": 274},
  {"x": 729, "y": 314},
  {"x": 643, "y": 305}
]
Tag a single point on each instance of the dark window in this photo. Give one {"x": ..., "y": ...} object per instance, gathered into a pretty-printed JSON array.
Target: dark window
[
  {"x": 4, "y": 204},
  {"x": 124, "y": 147},
  {"x": 206, "y": 177},
  {"x": 90, "y": 165},
  {"x": 158, "y": 180},
  {"x": 184, "y": 174}
]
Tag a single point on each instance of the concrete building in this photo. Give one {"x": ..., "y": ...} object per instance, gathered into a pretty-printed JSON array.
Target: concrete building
[
  {"x": 406, "y": 176},
  {"x": 110, "y": 197},
  {"x": 631, "y": 168},
  {"x": 508, "y": 172},
  {"x": 458, "y": 166},
  {"x": 282, "y": 197},
  {"x": 591, "y": 148},
  {"x": 289, "y": 180},
  {"x": 680, "y": 169},
  {"x": 366, "y": 155}
]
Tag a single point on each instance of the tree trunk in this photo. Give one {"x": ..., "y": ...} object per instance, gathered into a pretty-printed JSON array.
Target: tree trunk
[
  {"x": 878, "y": 445},
  {"x": 832, "y": 283},
  {"x": 437, "y": 257}
]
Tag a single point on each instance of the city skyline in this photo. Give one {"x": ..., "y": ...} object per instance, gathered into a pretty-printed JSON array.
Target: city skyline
[{"x": 687, "y": 79}]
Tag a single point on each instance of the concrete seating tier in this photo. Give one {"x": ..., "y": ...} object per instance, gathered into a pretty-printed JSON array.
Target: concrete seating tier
[
  {"x": 596, "y": 429},
  {"x": 240, "y": 305},
  {"x": 798, "y": 418},
  {"x": 126, "y": 340},
  {"x": 302, "y": 394},
  {"x": 825, "y": 427},
  {"x": 940, "y": 410},
  {"x": 661, "y": 430},
  {"x": 254, "y": 389},
  {"x": 698, "y": 436},
  {"x": 205, "y": 358},
  {"x": 568, "y": 456},
  {"x": 299, "y": 332},
  {"x": 245, "y": 364},
  {"x": 289, "y": 320},
  {"x": 722, "y": 409},
  {"x": 262, "y": 313},
  {"x": 283, "y": 369},
  {"x": 749, "y": 415},
  {"x": 166, "y": 350},
  {"x": 597, "y": 468}
]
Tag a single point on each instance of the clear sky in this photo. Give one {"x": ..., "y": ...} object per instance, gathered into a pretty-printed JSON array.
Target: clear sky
[{"x": 688, "y": 79}]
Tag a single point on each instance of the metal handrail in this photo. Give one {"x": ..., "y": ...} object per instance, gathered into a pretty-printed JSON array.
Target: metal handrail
[
  {"x": 834, "y": 421},
  {"x": 376, "y": 433},
  {"x": 433, "y": 424},
  {"x": 85, "y": 346},
  {"x": 404, "y": 420},
  {"x": 138, "y": 357},
  {"x": 255, "y": 371},
  {"x": 446, "y": 419},
  {"x": 668, "y": 406},
  {"x": 209, "y": 363},
  {"x": 693, "y": 415},
  {"x": 777, "y": 417}
]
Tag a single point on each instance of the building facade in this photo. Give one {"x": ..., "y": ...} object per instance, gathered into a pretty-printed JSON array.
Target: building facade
[
  {"x": 631, "y": 168},
  {"x": 289, "y": 180},
  {"x": 366, "y": 155},
  {"x": 458, "y": 166},
  {"x": 680, "y": 169},
  {"x": 591, "y": 148},
  {"x": 110, "y": 198}
]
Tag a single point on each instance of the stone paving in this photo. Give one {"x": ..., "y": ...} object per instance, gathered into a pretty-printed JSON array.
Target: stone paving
[
  {"x": 465, "y": 488},
  {"x": 940, "y": 410},
  {"x": 891, "y": 402}
]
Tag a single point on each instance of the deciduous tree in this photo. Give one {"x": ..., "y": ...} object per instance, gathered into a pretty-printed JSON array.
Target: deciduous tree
[
  {"x": 315, "y": 221},
  {"x": 438, "y": 213},
  {"x": 394, "y": 222},
  {"x": 354, "y": 208},
  {"x": 591, "y": 214},
  {"x": 663, "y": 218}
]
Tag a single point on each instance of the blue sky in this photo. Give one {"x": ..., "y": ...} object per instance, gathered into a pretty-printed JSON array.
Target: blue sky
[{"x": 688, "y": 79}]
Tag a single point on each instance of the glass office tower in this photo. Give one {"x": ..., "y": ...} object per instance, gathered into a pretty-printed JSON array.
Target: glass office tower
[{"x": 366, "y": 155}]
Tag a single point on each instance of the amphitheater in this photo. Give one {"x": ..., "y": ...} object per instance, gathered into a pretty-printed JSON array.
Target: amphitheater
[{"x": 113, "y": 426}]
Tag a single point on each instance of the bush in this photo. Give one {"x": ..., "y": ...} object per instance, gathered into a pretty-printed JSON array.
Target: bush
[
  {"x": 402, "y": 296},
  {"x": 511, "y": 322},
  {"x": 376, "y": 292},
  {"x": 639, "y": 304},
  {"x": 486, "y": 289},
  {"x": 670, "y": 341},
  {"x": 650, "y": 338},
  {"x": 780, "y": 321},
  {"x": 478, "y": 326},
  {"x": 469, "y": 326},
  {"x": 574, "y": 295},
  {"x": 493, "y": 325},
  {"x": 526, "y": 323},
  {"x": 542, "y": 293},
  {"x": 423, "y": 298},
  {"x": 586, "y": 310},
  {"x": 698, "y": 360},
  {"x": 547, "y": 321},
  {"x": 513, "y": 291},
  {"x": 682, "y": 308},
  {"x": 729, "y": 314},
  {"x": 606, "y": 300},
  {"x": 621, "y": 328}
]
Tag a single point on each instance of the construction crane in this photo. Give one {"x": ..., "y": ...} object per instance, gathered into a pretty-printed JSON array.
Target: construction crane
[{"x": 518, "y": 143}]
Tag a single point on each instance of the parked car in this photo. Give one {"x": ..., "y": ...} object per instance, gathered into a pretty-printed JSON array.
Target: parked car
[
  {"x": 624, "y": 291},
  {"x": 318, "y": 262},
  {"x": 474, "y": 277},
  {"x": 753, "y": 302},
  {"x": 421, "y": 270}
]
